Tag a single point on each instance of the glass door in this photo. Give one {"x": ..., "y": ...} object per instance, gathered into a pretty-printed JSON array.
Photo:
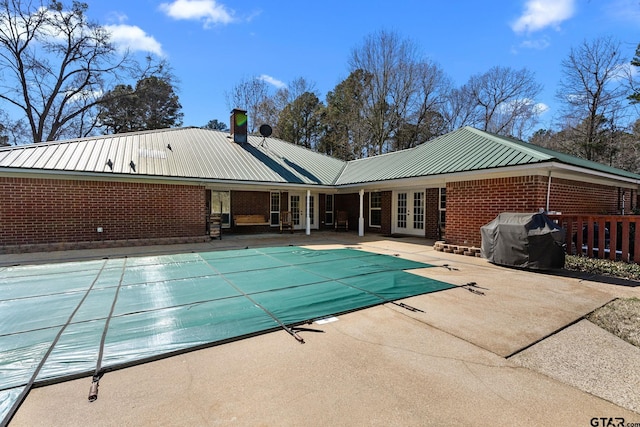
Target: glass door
[
  {"x": 298, "y": 208},
  {"x": 409, "y": 210}
]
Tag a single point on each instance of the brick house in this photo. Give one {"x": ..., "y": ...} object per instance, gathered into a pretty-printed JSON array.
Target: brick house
[{"x": 164, "y": 184}]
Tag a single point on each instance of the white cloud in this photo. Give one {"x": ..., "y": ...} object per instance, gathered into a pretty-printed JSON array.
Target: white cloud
[
  {"x": 538, "y": 44},
  {"x": 541, "y": 108},
  {"x": 540, "y": 14},
  {"x": 86, "y": 95},
  {"x": 209, "y": 11},
  {"x": 133, "y": 38},
  {"x": 273, "y": 81},
  {"x": 625, "y": 72}
]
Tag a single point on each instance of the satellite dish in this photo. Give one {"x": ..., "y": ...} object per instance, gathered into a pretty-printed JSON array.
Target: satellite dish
[{"x": 265, "y": 130}]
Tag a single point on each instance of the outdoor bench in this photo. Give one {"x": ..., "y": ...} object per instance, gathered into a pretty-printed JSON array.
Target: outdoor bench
[{"x": 242, "y": 220}]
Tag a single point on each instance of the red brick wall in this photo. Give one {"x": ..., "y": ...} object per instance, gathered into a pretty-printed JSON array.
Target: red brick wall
[
  {"x": 432, "y": 196},
  {"x": 471, "y": 204},
  {"x": 351, "y": 204},
  {"x": 572, "y": 197},
  {"x": 36, "y": 211},
  {"x": 387, "y": 204},
  {"x": 251, "y": 203}
]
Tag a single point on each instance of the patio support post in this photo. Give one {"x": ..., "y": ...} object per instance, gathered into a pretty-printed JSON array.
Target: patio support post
[
  {"x": 361, "y": 217},
  {"x": 308, "y": 229}
]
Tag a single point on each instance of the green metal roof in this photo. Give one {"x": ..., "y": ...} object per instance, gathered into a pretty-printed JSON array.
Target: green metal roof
[
  {"x": 466, "y": 149},
  {"x": 208, "y": 154},
  {"x": 179, "y": 153}
]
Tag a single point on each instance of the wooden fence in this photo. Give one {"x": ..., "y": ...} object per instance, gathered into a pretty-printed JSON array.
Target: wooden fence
[{"x": 602, "y": 236}]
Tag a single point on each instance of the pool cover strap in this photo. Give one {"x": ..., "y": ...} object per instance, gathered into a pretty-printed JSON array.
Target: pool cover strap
[
  {"x": 342, "y": 282},
  {"x": 93, "y": 390},
  {"x": 278, "y": 321},
  {"x": 32, "y": 380}
]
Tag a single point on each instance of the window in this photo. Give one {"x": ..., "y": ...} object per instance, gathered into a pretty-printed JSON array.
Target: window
[
  {"x": 275, "y": 209},
  {"x": 442, "y": 207},
  {"x": 375, "y": 209},
  {"x": 328, "y": 209},
  {"x": 221, "y": 205}
]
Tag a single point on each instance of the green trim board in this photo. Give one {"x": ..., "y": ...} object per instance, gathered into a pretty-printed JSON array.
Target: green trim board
[{"x": 156, "y": 306}]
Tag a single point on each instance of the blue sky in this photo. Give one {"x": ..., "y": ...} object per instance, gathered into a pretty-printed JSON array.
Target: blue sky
[{"x": 212, "y": 45}]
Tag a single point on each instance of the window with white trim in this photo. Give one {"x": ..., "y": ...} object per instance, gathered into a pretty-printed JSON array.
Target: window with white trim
[
  {"x": 375, "y": 209},
  {"x": 275, "y": 209},
  {"x": 328, "y": 209},
  {"x": 442, "y": 207}
]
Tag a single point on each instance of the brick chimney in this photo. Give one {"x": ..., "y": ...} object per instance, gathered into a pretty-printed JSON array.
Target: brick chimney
[{"x": 239, "y": 125}]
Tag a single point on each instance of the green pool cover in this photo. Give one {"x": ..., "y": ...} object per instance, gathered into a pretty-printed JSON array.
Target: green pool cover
[{"x": 64, "y": 321}]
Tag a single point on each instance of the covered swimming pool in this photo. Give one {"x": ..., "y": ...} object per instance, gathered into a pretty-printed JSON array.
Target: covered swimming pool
[{"x": 77, "y": 319}]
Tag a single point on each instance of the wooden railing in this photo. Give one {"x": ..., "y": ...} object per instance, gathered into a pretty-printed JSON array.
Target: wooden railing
[{"x": 602, "y": 236}]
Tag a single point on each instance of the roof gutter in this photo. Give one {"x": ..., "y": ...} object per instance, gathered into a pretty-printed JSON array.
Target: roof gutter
[
  {"x": 605, "y": 175},
  {"x": 540, "y": 168},
  {"x": 29, "y": 173},
  {"x": 388, "y": 183}
]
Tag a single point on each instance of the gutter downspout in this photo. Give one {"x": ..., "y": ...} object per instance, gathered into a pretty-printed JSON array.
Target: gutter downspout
[{"x": 548, "y": 190}]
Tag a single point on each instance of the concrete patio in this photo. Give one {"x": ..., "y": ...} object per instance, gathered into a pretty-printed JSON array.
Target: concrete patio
[{"x": 508, "y": 351}]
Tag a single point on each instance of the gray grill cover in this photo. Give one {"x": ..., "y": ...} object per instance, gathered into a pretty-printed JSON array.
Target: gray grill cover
[{"x": 523, "y": 240}]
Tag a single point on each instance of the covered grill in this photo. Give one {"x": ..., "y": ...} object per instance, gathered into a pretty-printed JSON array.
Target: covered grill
[{"x": 523, "y": 240}]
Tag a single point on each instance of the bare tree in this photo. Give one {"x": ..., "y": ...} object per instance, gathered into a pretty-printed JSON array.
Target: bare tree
[
  {"x": 55, "y": 66},
  {"x": 421, "y": 118},
  {"x": 504, "y": 100},
  {"x": 591, "y": 91},
  {"x": 271, "y": 110},
  {"x": 403, "y": 87},
  {"x": 12, "y": 132},
  {"x": 263, "y": 106},
  {"x": 459, "y": 109},
  {"x": 249, "y": 94}
]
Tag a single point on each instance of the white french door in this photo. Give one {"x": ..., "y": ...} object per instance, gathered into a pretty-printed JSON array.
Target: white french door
[
  {"x": 409, "y": 212},
  {"x": 298, "y": 208}
]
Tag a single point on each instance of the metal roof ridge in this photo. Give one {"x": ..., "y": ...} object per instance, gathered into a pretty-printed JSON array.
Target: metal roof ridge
[
  {"x": 339, "y": 175},
  {"x": 547, "y": 154},
  {"x": 513, "y": 143},
  {"x": 389, "y": 153},
  {"x": 296, "y": 146}
]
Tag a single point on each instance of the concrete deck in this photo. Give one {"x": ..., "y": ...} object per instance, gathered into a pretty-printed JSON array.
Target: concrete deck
[{"x": 471, "y": 358}]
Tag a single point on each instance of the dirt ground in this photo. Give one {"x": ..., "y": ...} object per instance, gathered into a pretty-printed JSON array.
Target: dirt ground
[{"x": 621, "y": 317}]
